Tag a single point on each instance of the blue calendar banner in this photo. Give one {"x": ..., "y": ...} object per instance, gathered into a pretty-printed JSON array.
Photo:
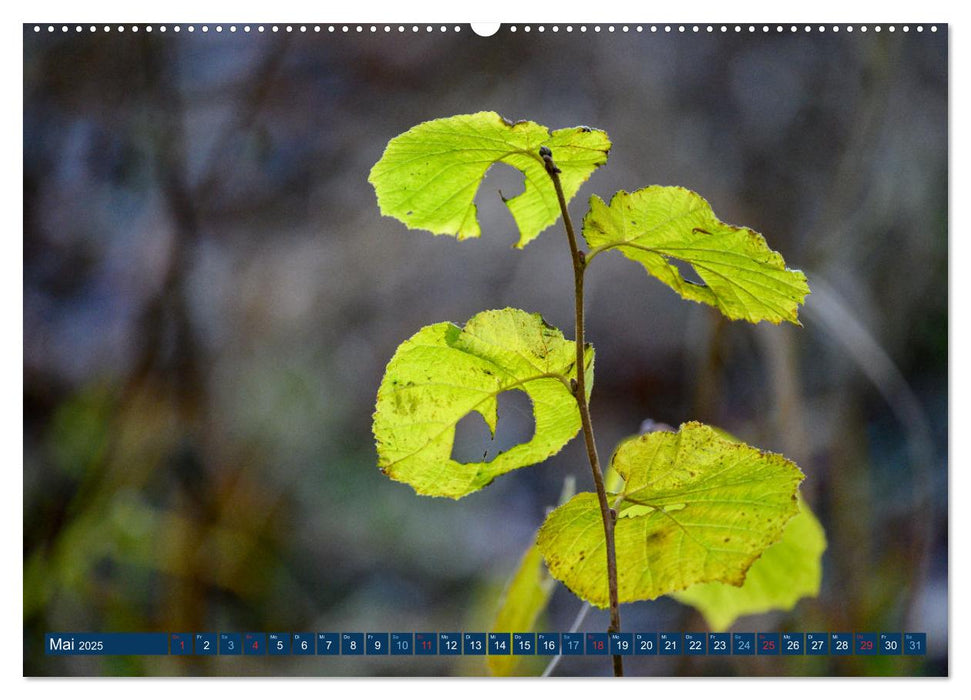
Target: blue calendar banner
[
  {"x": 840, "y": 643},
  {"x": 694, "y": 644},
  {"x": 328, "y": 644},
  {"x": 743, "y": 643},
  {"x": 205, "y": 643},
  {"x": 621, "y": 643},
  {"x": 793, "y": 644},
  {"x": 915, "y": 643},
  {"x": 106, "y": 643},
  {"x": 180, "y": 644},
  {"x": 548, "y": 643},
  {"x": 499, "y": 644},
  {"x": 524, "y": 643},
  {"x": 425, "y": 643},
  {"x": 230, "y": 644},
  {"x": 817, "y": 643},
  {"x": 304, "y": 643},
  {"x": 767, "y": 644},
  {"x": 352, "y": 644},
  {"x": 474, "y": 643},
  {"x": 890, "y": 643},
  {"x": 254, "y": 644},
  {"x": 450, "y": 643},
  {"x": 645, "y": 643},
  {"x": 376, "y": 643},
  {"x": 865, "y": 643},
  {"x": 491, "y": 643},
  {"x": 597, "y": 643},
  {"x": 719, "y": 643},
  {"x": 670, "y": 643},
  {"x": 572, "y": 644},
  {"x": 278, "y": 644}
]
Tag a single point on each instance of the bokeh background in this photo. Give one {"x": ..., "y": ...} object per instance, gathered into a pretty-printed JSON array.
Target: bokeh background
[{"x": 211, "y": 296}]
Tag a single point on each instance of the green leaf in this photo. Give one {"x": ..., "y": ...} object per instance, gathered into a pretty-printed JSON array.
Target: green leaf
[
  {"x": 429, "y": 175},
  {"x": 444, "y": 372},
  {"x": 787, "y": 571},
  {"x": 524, "y": 601},
  {"x": 695, "y": 507},
  {"x": 742, "y": 277}
]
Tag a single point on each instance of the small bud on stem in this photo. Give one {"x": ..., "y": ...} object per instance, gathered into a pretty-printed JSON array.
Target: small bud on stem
[{"x": 547, "y": 155}]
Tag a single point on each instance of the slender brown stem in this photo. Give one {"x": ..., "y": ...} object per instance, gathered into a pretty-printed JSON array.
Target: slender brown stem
[{"x": 580, "y": 393}]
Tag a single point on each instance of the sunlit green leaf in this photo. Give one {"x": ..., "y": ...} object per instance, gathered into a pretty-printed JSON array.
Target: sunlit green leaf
[
  {"x": 787, "y": 571},
  {"x": 444, "y": 372},
  {"x": 428, "y": 176},
  {"x": 695, "y": 507},
  {"x": 524, "y": 601},
  {"x": 739, "y": 274}
]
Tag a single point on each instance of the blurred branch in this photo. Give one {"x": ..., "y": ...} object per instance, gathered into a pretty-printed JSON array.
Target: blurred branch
[
  {"x": 223, "y": 157},
  {"x": 780, "y": 349},
  {"x": 850, "y": 196},
  {"x": 577, "y": 621},
  {"x": 826, "y": 308}
]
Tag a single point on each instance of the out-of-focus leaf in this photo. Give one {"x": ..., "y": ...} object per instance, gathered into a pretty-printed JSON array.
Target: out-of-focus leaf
[
  {"x": 696, "y": 507},
  {"x": 524, "y": 601},
  {"x": 742, "y": 277},
  {"x": 79, "y": 430},
  {"x": 526, "y": 596},
  {"x": 787, "y": 571},
  {"x": 444, "y": 372},
  {"x": 429, "y": 175}
]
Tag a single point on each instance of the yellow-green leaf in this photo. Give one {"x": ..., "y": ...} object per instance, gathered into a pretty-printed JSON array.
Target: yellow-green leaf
[
  {"x": 444, "y": 372},
  {"x": 695, "y": 507},
  {"x": 429, "y": 175},
  {"x": 787, "y": 571},
  {"x": 741, "y": 276},
  {"x": 524, "y": 601}
]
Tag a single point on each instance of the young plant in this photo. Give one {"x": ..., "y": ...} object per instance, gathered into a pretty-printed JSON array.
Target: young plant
[{"x": 691, "y": 507}]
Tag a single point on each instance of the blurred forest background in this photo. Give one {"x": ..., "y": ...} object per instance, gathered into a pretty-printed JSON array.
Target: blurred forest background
[{"x": 211, "y": 296}]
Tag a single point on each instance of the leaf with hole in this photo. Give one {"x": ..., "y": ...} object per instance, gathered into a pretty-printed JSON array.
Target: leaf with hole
[
  {"x": 695, "y": 507},
  {"x": 428, "y": 176},
  {"x": 787, "y": 571},
  {"x": 444, "y": 372},
  {"x": 661, "y": 226}
]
